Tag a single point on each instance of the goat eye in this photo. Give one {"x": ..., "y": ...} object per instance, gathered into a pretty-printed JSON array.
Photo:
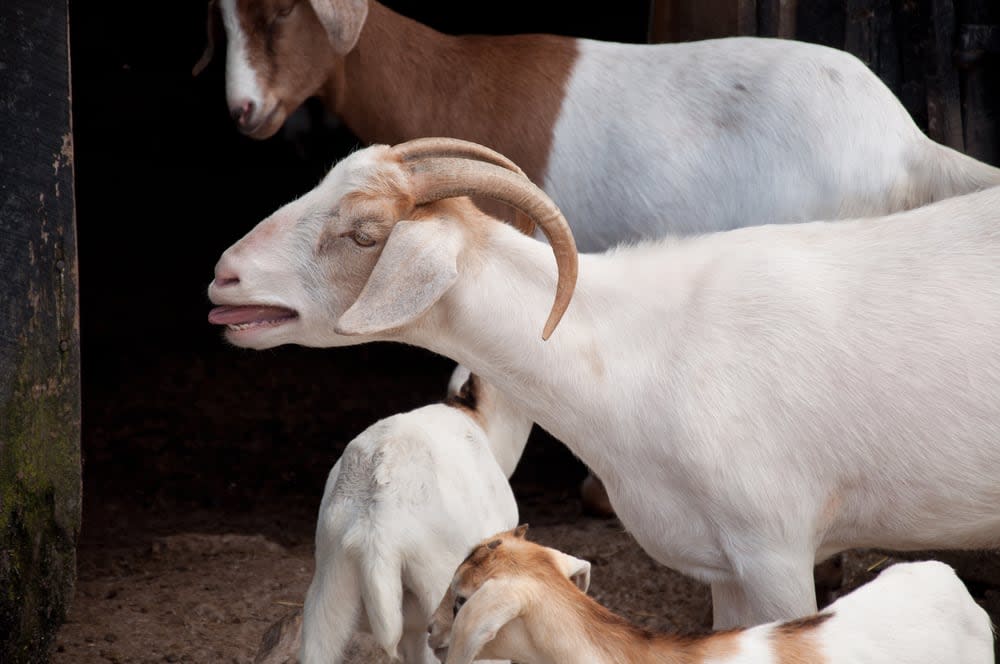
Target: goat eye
[
  {"x": 362, "y": 239},
  {"x": 459, "y": 601},
  {"x": 285, "y": 11}
]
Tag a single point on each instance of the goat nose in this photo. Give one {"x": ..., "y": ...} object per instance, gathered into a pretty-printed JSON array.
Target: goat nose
[
  {"x": 242, "y": 112},
  {"x": 225, "y": 278}
]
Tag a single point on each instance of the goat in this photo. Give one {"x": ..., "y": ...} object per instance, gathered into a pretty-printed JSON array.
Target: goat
[
  {"x": 518, "y": 600},
  {"x": 755, "y": 400},
  {"x": 401, "y": 508},
  {"x": 632, "y": 141}
]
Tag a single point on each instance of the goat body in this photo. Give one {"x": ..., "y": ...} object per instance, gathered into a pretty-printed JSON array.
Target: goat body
[
  {"x": 632, "y": 141},
  {"x": 401, "y": 508},
  {"x": 754, "y": 400},
  {"x": 514, "y": 600}
]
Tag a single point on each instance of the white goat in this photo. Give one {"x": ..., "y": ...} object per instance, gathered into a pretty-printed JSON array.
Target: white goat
[
  {"x": 516, "y": 599},
  {"x": 402, "y": 506},
  {"x": 632, "y": 141},
  {"x": 755, "y": 400}
]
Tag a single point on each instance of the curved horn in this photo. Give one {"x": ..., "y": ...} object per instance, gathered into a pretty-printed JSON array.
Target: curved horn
[
  {"x": 425, "y": 148},
  {"x": 422, "y": 148},
  {"x": 447, "y": 177}
]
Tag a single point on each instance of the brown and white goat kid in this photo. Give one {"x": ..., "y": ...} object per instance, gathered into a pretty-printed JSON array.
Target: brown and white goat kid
[
  {"x": 755, "y": 400},
  {"x": 515, "y": 599},
  {"x": 632, "y": 141},
  {"x": 402, "y": 506}
]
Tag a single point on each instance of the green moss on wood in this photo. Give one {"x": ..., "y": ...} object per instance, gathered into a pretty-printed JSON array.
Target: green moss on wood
[{"x": 39, "y": 502}]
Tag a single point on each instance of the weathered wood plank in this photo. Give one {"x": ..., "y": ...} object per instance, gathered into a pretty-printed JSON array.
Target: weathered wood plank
[
  {"x": 871, "y": 36},
  {"x": 944, "y": 102},
  {"x": 777, "y": 18},
  {"x": 821, "y": 22},
  {"x": 679, "y": 20},
  {"x": 978, "y": 56},
  {"x": 39, "y": 331}
]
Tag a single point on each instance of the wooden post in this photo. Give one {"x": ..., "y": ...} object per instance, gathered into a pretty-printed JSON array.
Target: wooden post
[{"x": 39, "y": 331}]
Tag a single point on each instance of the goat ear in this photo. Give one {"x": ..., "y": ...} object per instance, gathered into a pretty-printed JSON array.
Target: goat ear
[
  {"x": 342, "y": 20},
  {"x": 418, "y": 265},
  {"x": 575, "y": 569},
  {"x": 488, "y": 610},
  {"x": 210, "y": 29}
]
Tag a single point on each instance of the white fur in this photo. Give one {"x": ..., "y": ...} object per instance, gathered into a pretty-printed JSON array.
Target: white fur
[
  {"x": 911, "y": 613},
  {"x": 713, "y": 135},
  {"x": 241, "y": 79},
  {"x": 401, "y": 507},
  {"x": 754, "y": 400}
]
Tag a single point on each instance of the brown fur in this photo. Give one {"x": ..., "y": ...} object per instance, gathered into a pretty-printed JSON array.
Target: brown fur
[
  {"x": 509, "y": 554},
  {"x": 467, "y": 398},
  {"x": 795, "y": 643},
  {"x": 398, "y": 84},
  {"x": 397, "y": 58}
]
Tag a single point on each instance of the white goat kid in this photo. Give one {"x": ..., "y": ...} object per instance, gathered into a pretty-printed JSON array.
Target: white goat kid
[
  {"x": 632, "y": 141},
  {"x": 755, "y": 400},
  {"x": 401, "y": 508},
  {"x": 516, "y": 599}
]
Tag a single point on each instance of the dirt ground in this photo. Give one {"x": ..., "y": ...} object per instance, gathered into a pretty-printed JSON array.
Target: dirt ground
[{"x": 203, "y": 474}]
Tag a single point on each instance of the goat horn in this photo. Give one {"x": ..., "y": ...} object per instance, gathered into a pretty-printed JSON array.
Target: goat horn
[
  {"x": 448, "y": 177},
  {"x": 422, "y": 148},
  {"x": 426, "y": 148}
]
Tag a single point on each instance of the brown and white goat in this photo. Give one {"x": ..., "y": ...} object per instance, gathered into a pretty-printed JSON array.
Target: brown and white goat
[
  {"x": 632, "y": 141},
  {"x": 515, "y": 599}
]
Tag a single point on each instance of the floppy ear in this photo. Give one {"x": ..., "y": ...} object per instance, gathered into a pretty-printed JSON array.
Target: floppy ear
[
  {"x": 342, "y": 20},
  {"x": 418, "y": 265},
  {"x": 576, "y": 570},
  {"x": 490, "y": 608},
  {"x": 211, "y": 29}
]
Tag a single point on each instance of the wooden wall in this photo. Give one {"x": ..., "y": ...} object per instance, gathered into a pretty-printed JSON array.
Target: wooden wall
[
  {"x": 941, "y": 57},
  {"x": 39, "y": 331}
]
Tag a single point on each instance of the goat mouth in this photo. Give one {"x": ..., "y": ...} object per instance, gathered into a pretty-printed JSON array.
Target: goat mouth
[
  {"x": 262, "y": 129},
  {"x": 239, "y": 318}
]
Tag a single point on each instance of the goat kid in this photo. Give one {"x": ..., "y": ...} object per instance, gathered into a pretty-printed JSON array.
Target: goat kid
[
  {"x": 401, "y": 508},
  {"x": 515, "y": 599},
  {"x": 755, "y": 400}
]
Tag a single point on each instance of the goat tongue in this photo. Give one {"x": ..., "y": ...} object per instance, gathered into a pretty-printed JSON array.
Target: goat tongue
[{"x": 238, "y": 315}]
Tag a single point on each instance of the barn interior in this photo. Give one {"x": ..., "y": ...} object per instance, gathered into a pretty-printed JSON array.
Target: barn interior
[{"x": 204, "y": 463}]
